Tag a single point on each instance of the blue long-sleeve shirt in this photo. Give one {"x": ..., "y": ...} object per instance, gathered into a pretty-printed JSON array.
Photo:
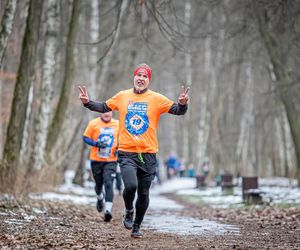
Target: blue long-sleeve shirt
[{"x": 89, "y": 141}]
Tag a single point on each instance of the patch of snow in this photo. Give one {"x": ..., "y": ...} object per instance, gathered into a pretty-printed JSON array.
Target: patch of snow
[
  {"x": 284, "y": 192},
  {"x": 39, "y": 211},
  {"x": 214, "y": 196},
  {"x": 83, "y": 200},
  {"x": 69, "y": 176},
  {"x": 75, "y": 189},
  {"x": 27, "y": 217},
  {"x": 6, "y": 197},
  {"x": 278, "y": 182},
  {"x": 15, "y": 221},
  {"x": 174, "y": 185}
]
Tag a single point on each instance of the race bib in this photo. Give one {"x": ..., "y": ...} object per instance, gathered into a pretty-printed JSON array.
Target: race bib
[
  {"x": 137, "y": 121},
  {"x": 106, "y": 136}
]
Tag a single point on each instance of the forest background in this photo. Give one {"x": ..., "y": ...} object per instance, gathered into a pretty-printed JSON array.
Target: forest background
[{"x": 240, "y": 58}]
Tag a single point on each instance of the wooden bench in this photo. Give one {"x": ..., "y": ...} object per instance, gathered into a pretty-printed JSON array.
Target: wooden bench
[
  {"x": 251, "y": 193},
  {"x": 227, "y": 184},
  {"x": 200, "y": 181}
]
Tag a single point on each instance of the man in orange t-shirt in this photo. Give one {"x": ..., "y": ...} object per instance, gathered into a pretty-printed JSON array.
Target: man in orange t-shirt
[
  {"x": 102, "y": 135},
  {"x": 139, "y": 112}
]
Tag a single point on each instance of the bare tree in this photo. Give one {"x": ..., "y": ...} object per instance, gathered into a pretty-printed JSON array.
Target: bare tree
[
  {"x": 43, "y": 116},
  {"x": 276, "y": 36},
  {"x": 5, "y": 30},
  {"x": 24, "y": 79},
  {"x": 247, "y": 121},
  {"x": 79, "y": 174},
  {"x": 186, "y": 149},
  {"x": 6, "y": 26},
  {"x": 61, "y": 109},
  {"x": 91, "y": 57}
]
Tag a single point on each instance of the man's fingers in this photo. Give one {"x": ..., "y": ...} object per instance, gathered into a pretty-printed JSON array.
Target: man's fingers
[
  {"x": 84, "y": 89},
  {"x": 182, "y": 89},
  {"x": 187, "y": 90},
  {"x": 80, "y": 89}
]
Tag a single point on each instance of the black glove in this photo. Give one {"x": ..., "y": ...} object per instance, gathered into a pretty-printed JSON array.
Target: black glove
[{"x": 101, "y": 144}]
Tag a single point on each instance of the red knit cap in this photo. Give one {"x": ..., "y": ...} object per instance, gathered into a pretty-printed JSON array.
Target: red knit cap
[{"x": 143, "y": 68}]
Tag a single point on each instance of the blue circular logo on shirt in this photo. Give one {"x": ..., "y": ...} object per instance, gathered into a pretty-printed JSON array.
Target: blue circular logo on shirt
[{"x": 136, "y": 122}]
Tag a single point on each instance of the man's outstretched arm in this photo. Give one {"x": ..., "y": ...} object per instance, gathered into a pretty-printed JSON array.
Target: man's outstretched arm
[
  {"x": 178, "y": 109},
  {"x": 91, "y": 105},
  {"x": 97, "y": 106}
]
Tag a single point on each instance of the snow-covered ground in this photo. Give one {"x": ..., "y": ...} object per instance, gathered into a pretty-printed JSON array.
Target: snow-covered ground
[
  {"x": 276, "y": 191},
  {"x": 70, "y": 192}
]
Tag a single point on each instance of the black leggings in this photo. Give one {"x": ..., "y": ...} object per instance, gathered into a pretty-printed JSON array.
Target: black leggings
[
  {"x": 104, "y": 173},
  {"x": 137, "y": 176}
]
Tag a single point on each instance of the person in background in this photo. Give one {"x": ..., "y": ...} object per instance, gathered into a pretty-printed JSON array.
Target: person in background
[
  {"x": 205, "y": 168},
  {"x": 191, "y": 171},
  {"x": 102, "y": 135},
  {"x": 139, "y": 111},
  {"x": 172, "y": 165},
  {"x": 182, "y": 168}
]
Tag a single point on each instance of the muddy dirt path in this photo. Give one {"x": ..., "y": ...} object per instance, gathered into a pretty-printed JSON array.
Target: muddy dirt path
[{"x": 40, "y": 224}]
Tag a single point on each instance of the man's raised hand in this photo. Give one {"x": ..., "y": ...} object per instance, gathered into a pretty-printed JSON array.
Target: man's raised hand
[
  {"x": 83, "y": 95},
  {"x": 183, "y": 96}
]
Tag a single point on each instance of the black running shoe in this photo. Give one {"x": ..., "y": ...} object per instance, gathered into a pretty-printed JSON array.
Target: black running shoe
[
  {"x": 107, "y": 216},
  {"x": 128, "y": 218},
  {"x": 135, "y": 233},
  {"x": 99, "y": 205}
]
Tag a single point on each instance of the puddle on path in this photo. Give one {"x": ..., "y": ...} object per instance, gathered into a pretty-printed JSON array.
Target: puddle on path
[
  {"x": 187, "y": 225},
  {"x": 167, "y": 222}
]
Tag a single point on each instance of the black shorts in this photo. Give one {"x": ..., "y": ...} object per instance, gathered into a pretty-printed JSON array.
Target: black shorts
[{"x": 147, "y": 165}]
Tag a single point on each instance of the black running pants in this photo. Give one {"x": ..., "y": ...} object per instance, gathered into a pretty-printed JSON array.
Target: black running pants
[
  {"x": 137, "y": 174},
  {"x": 104, "y": 173}
]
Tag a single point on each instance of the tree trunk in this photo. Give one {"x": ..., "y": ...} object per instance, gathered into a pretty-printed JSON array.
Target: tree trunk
[
  {"x": 280, "y": 142},
  {"x": 61, "y": 109},
  {"x": 273, "y": 49},
  {"x": 24, "y": 78},
  {"x": 5, "y": 30},
  {"x": 203, "y": 127},
  {"x": 217, "y": 59},
  {"x": 43, "y": 116},
  {"x": 91, "y": 57},
  {"x": 25, "y": 148},
  {"x": 188, "y": 66},
  {"x": 79, "y": 175},
  {"x": 258, "y": 147},
  {"x": 292, "y": 116},
  {"x": 289, "y": 150},
  {"x": 247, "y": 120},
  {"x": 6, "y": 26}
]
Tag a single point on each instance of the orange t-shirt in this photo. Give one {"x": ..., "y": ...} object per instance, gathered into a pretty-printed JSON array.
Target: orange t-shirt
[
  {"x": 98, "y": 130},
  {"x": 139, "y": 115}
]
